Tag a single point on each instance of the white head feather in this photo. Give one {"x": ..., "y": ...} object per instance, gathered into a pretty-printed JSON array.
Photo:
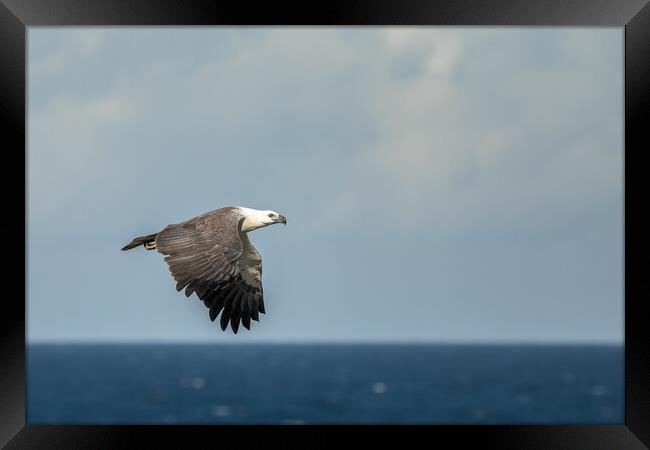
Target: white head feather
[{"x": 257, "y": 218}]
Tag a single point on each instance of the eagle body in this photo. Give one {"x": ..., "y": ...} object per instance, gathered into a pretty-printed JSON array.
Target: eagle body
[{"x": 211, "y": 255}]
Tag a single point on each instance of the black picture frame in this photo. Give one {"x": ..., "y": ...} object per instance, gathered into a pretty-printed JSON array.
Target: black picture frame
[{"x": 634, "y": 15}]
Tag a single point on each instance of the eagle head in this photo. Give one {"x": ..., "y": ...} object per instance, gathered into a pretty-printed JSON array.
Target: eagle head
[{"x": 257, "y": 218}]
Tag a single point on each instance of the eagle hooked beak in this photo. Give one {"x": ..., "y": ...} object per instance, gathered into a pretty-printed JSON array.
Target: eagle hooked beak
[{"x": 282, "y": 219}]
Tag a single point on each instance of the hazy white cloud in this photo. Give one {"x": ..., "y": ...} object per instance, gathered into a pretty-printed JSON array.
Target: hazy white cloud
[
  {"x": 78, "y": 43},
  {"x": 88, "y": 41},
  {"x": 70, "y": 145},
  {"x": 441, "y": 49},
  {"x": 446, "y": 160},
  {"x": 441, "y": 154}
]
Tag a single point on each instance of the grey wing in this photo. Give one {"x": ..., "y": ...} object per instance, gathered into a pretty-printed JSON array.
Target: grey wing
[{"x": 204, "y": 256}]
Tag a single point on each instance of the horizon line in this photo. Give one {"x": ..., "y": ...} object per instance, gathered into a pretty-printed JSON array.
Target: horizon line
[{"x": 323, "y": 342}]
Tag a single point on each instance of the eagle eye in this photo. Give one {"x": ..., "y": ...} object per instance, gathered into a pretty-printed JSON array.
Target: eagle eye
[{"x": 271, "y": 215}]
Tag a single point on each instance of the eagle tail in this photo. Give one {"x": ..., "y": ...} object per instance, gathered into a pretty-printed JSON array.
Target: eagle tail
[{"x": 148, "y": 241}]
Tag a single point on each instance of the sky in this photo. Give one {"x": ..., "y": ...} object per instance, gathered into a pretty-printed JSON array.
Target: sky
[{"x": 441, "y": 184}]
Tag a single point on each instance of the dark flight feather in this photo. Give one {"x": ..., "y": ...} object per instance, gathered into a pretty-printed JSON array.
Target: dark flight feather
[{"x": 209, "y": 256}]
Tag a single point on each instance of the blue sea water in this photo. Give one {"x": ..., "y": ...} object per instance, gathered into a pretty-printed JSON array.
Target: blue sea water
[{"x": 324, "y": 384}]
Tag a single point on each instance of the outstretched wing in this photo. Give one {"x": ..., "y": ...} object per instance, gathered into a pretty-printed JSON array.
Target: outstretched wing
[{"x": 207, "y": 256}]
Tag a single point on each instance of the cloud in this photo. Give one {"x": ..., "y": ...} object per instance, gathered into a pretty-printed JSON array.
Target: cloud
[
  {"x": 70, "y": 145},
  {"x": 81, "y": 43},
  {"x": 439, "y": 49},
  {"x": 505, "y": 147},
  {"x": 435, "y": 125}
]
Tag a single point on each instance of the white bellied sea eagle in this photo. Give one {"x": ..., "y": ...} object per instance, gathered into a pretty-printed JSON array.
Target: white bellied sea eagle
[{"x": 211, "y": 255}]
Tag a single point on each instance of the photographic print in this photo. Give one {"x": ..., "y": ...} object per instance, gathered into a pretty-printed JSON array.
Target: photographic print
[{"x": 438, "y": 212}]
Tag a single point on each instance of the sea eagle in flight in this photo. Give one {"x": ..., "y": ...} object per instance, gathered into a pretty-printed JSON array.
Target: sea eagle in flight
[{"x": 212, "y": 256}]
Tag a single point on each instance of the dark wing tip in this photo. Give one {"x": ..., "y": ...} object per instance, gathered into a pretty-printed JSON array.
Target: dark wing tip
[
  {"x": 237, "y": 302},
  {"x": 236, "y": 314},
  {"x": 246, "y": 320},
  {"x": 225, "y": 318}
]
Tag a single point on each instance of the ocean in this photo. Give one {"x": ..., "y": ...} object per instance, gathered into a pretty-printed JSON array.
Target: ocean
[{"x": 324, "y": 384}]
